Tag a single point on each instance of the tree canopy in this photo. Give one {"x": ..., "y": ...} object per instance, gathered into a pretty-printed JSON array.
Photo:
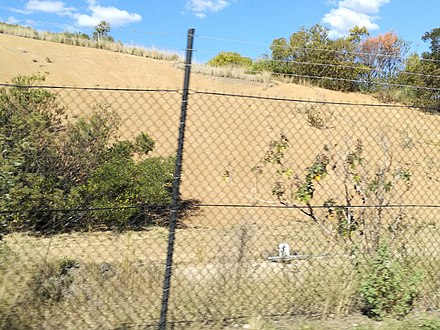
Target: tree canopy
[
  {"x": 358, "y": 62},
  {"x": 102, "y": 30}
]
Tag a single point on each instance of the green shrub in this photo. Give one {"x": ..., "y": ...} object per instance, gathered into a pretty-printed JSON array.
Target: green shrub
[
  {"x": 84, "y": 145},
  {"x": 230, "y": 59},
  {"x": 388, "y": 284},
  {"x": 30, "y": 122},
  {"x": 122, "y": 183},
  {"x": 46, "y": 164}
]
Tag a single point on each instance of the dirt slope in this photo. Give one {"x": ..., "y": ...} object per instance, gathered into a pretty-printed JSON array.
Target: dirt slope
[
  {"x": 227, "y": 137},
  {"x": 86, "y": 67}
]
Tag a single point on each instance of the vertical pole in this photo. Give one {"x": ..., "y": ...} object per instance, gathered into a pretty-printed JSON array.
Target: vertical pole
[{"x": 176, "y": 183}]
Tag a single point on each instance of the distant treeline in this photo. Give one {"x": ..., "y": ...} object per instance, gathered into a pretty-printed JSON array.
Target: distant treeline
[{"x": 355, "y": 63}]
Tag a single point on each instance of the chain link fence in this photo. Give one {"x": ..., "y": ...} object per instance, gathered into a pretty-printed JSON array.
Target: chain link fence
[
  {"x": 301, "y": 205},
  {"x": 287, "y": 208}
]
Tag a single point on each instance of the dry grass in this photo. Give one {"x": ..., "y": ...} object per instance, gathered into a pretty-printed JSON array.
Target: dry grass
[
  {"x": 21, "y": 31},
  {"x": 219, "y": 271},
  {"x": 219, "y": 274},
  {"x": 234, "y": 72}
]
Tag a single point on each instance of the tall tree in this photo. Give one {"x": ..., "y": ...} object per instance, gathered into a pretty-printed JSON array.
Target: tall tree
[
  {"x": 423, "y": 73},
  {"x": 384, "y": 55},
  {"x": 312, "y": 54},
  {"x": 102, "y": 30},
  {"x": 434, "y": 37}
]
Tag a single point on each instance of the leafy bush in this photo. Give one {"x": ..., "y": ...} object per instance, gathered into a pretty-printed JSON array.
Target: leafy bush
[
  {"x": 122, "y": 183},
  {"x": 46, "y": 164},
  {"x": 30, "y": 121},
  {"x": 388, "y": 284},
  {"x": 230, "y": 59},
  {"x": 371, "y": 189},
  {"x": 421, "y": 72},
  {"x": 84, "y": 145}
]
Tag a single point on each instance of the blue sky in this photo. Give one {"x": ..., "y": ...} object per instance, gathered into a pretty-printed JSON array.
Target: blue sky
[{"x": 245, "y": 26}]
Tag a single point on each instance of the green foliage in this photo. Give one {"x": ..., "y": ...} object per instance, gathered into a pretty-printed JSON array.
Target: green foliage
[
  {"x": 330, "y": 63},
  {"x": 433, "y": 37},
  {"x": 30, "y": 121},
  {"x": 277, "y": 148},
  {"x": 84, "y": 145},
  {"x": 314, "y": 174},
  {"x": 121, "y": 182},
  {"x": 388, "y": 284},
  {"x": 101, "y": 33},
  {"x": 143, "y": 144},
  {"x": 370, "y": 189},
  {"x": 422, "y": 72},
  {"x": 263, "y": 64},
  {"x": 47, "y": 164},
  {"x": 76, "y": 35},
  {"x": 230, "y": 59},
  {"x": 429, "y": 324},
  {"x": 289, "y": 185}
]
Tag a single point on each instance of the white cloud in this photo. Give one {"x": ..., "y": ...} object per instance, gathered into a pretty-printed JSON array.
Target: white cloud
[
  {"x": 48, "y": 6},
  {"x": 351, "y": 13},
  {"x": 343, "y": 19},
  {"x": 363, "y": 6},
  {"x": 115, "y": 16},
  {"x": 200, "y": 8},
  {"x": 95, "y": 14}
]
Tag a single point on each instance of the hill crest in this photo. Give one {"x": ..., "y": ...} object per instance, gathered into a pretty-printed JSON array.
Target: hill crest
[{"x": 88, "y": 67}]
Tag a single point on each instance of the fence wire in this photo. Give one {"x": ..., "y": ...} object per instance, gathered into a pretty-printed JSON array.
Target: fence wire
[{"x": 284, "y": 206}]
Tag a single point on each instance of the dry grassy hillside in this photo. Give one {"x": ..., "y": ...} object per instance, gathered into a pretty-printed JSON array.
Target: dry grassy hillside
[
  {"x": 231, "y": 134},
  {"x": 86, "y": 67},
  {"x": 220, "y": 257}
]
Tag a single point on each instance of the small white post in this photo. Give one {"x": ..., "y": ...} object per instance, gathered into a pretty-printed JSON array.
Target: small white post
[{"x": 283, "y": 250}]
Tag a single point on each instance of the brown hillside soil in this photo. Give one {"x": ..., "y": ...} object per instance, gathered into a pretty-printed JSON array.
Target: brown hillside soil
[
  {"x": 220, "y": 264},
  {"x": 87, "y": 67},
  {"x": 227, "y": 136}
]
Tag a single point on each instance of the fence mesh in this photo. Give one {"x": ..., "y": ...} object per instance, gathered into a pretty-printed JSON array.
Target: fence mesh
[{"x": 285, "y": 207}]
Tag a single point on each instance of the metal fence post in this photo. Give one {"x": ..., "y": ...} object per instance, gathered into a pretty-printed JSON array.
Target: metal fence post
[{"x": 175, "y": 206}]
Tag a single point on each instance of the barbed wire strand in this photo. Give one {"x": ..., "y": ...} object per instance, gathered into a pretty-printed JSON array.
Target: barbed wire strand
[
  {"x": 367, "y": 69},
  {"x": 344, "y": 52},
  {"x": 156, "y": 207},
  {"x": 344, "y": 79},
  {"x": 269, "y": 98},
  {"x": 195, "y": 91},
  {"x": 112, "y": 89},
  {"x": 358, "y": 81},
  {"x": 245, "y": 42}
]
